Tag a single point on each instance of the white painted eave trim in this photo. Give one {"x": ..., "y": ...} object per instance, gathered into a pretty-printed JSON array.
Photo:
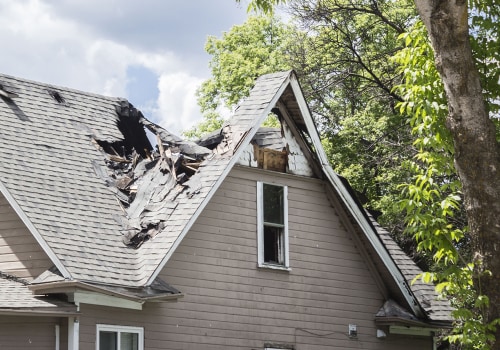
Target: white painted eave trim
[
  {"x": 352, "y": 205},
  {"x": 73, "y": 286},
  {"x": 93, "y": 298},
  {"x": 38, "y": 237},
  {"x": 235, "y": 157}
]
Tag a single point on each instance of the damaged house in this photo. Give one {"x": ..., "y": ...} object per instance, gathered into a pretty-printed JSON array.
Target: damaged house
[{"x": 116, "y": 234}]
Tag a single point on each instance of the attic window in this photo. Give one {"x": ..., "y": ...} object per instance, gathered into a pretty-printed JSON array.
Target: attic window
[
  {"x": 272, "y": 226},
  {"x": 57, "y": 96}
]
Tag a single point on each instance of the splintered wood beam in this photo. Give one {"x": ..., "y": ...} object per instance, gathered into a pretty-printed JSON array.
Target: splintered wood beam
[
  {"x": 118, "y": 159},
  {"x": 270, "y": 159}
]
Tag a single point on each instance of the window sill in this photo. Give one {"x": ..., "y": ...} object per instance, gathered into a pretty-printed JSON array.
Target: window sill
[{"x": 274, "y": 267}]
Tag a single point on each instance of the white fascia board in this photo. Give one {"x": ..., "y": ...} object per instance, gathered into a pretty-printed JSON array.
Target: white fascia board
[
  {"x": 415, "y": 331},
  {"x": 93, "y": 298},
  {"x": 22, "y": 215},
  {"x": 351, "y": 204},
  {"x": 235, "y": 157}
]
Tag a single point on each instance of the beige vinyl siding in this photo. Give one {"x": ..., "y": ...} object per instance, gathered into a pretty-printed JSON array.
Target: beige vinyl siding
[
  {"x": 230, "y": 303},
  {"x": 20, "y": 253},
  {"x": 93, "y": 315},
  {"x": 28, "y": 332}
]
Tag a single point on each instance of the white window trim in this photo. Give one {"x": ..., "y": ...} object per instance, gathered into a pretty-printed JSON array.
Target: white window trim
[
  {"x": 260, "y": 228},
  {"x": 120, "y": 329}
]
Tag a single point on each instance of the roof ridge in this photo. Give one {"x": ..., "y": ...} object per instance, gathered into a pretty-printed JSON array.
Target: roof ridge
[{"x": 58, "y": 87}]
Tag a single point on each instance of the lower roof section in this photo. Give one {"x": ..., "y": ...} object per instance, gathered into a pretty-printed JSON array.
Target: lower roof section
[{"x": 17, "y": 299}]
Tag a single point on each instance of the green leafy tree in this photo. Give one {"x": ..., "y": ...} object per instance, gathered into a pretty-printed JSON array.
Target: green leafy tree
[
  {"x": 247, "y": 51},
  {"x": 433, "y": 200},
  {"x": 345, "y": 69},
  {"x": 342, "y": 56},
  {"x": 474, "y": 134},
  {"x": 458, "y": 114}
]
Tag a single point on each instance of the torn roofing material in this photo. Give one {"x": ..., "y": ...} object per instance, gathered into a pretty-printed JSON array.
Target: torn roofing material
[
  {"x": 88, "y": 180},
  {"x": 146, "y": 182}
]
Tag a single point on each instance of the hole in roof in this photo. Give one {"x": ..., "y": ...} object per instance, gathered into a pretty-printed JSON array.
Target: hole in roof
[{"x": 57, "y": 96}]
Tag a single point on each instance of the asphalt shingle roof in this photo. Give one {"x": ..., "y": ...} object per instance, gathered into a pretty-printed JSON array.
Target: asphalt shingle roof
[
  {"x": 63, "y": 154},
  {"x": 437, "y": 309},
  {"x": 16, "y": 297},
  {"x": 52, "y": 164}
]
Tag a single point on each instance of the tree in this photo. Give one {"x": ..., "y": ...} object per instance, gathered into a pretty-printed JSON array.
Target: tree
[
  {"x": 476, "y": 149},
  {"x": 347, "y": 78},
  {"x": 432, "y": 201},
  {"x": 475, "y": 146},
  {"x": 243, "y": 54},
  {"x": 247, "y": 51},
  {"x": 345, "y": 69}
]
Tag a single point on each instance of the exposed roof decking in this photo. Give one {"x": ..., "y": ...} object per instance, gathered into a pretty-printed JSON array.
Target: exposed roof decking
[
  {"x": 52, "y": 150},
  {"x": 50, "y": 166},
  {"x": 45, "y": 164}
]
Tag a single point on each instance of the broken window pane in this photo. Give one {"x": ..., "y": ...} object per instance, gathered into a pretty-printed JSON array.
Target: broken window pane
[
  {"x": 272, "y": 210},
  {"x": 273, "y": 245}
]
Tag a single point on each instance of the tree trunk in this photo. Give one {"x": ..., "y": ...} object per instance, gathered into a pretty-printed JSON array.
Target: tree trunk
[{"x": 477, "y": 153}]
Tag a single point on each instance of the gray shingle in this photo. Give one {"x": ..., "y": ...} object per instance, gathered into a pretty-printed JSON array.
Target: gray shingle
[
  {"x": 436, "y": 308},
  {"x": 48, "y": 155},
  {"x": 54, "y": 164},
  {"x": 15, "y": 296}
]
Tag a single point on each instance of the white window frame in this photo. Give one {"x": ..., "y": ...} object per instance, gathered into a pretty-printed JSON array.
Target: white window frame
[
  {"x": 260, "y": 228},
  {"x": 120, "y": 329}
]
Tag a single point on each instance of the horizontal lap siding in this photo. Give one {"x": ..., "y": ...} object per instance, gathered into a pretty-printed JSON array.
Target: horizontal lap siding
[
  {"x": 28, "y": 332},
  {"x": 229, "y": 303},
  {"x": 20, "y": 253}
]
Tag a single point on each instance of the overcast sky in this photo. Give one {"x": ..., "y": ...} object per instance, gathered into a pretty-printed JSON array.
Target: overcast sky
[{"x": 148, "y": 51}]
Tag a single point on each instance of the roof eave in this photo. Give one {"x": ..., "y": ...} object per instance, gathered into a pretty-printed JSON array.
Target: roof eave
[
  {"x": 74, "y": 286},
  {"x": 401, "y": 321},
  {"x": 40, "y": 312}
]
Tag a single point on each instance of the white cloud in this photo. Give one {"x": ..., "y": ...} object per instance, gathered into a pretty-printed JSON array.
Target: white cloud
[
  {"x": 177, "y": 108},
  {"x": 91, "y": 47}
]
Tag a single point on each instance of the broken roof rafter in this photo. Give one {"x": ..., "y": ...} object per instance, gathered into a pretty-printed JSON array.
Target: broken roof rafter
[{"x": 147, "y": 183}]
